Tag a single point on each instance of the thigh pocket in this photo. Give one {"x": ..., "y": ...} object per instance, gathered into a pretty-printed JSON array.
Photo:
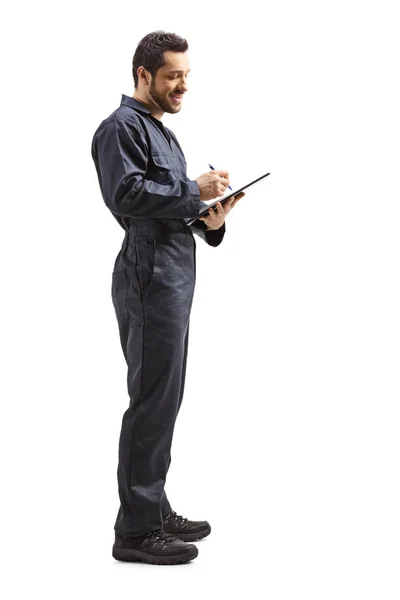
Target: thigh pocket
[{"x": 135, "y": 359}]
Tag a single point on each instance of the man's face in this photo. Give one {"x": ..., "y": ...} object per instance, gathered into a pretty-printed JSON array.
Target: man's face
[{"x": 170, "y": 82}]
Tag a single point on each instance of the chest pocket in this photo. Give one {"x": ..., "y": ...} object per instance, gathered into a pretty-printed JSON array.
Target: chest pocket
[{"x": 161, "y": 166}]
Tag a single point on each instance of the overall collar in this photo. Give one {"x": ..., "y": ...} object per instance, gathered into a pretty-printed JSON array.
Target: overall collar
[{"x": 133, "y": 103}]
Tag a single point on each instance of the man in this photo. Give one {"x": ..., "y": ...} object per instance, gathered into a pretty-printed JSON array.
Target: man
[{"x": 142, "y": 175}]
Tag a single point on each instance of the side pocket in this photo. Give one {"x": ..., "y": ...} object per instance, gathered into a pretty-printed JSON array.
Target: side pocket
[
  {"x": 146, "y": 262},
  {"x": 119, "y": 291}
]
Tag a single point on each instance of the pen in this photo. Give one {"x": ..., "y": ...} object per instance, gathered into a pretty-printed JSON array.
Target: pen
[{"x": 213, "y": 169}]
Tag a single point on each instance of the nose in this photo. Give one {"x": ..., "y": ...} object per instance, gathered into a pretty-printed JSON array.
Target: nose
[{"x": 184, "y": 85}]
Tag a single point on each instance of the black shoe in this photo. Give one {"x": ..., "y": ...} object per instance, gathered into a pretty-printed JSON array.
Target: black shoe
[
  {"x": 185, "y": 530},
  {"x": 156, "y": 547}
]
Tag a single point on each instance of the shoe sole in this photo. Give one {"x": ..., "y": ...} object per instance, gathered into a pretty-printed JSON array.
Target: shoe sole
[
  {"x": 128, "y": 555},
  {"x": 190, "y": 537}
]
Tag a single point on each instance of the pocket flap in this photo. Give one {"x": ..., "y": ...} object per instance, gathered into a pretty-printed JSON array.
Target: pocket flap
[{"x": 164, "y": 160}]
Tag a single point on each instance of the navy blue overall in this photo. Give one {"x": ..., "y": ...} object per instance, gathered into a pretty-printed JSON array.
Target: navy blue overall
[{"x": 142, "y": 175}]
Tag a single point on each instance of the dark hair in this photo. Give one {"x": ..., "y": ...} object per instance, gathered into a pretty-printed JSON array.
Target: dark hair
[{"x": 150, "y": 51}]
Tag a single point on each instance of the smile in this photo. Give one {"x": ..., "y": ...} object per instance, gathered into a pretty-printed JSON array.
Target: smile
[{"x": 177, "y": 98}]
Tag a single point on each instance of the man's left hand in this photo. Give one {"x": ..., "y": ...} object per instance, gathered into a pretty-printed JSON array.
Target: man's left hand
[{"x": 215, "y": 219}]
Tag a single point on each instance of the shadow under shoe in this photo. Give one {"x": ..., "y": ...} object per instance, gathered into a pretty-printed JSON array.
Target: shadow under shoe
[
  {"x": 157, "y": 548},
  {"x": 185, "y": 530}
]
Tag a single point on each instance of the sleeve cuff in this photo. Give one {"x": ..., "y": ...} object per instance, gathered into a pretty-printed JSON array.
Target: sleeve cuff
[
  {"x": 194, "y": 189},
  {"x": 214, "y": 236}
]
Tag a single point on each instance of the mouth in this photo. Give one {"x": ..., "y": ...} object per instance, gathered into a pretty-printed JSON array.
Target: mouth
[{"x": 176, "y": 98}]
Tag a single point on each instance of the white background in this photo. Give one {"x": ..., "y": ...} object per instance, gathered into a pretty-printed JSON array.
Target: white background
[{"x": 288, "y": 436}]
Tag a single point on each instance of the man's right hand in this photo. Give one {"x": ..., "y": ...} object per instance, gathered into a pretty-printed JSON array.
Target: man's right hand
[{"x": 213, "y": 184}]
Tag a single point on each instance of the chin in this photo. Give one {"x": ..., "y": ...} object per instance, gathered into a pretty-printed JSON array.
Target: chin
[{"x": 174, "y": 109}]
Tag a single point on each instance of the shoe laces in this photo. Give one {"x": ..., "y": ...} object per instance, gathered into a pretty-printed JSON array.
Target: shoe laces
[
  {"x": 176, "y": 518},
  {"x": 159, "y": 536}
]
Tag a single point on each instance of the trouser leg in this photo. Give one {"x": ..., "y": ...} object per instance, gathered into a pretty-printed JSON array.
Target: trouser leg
[
  {"x": 158, "y": 298},
  {"x": 165, "y": 505}
]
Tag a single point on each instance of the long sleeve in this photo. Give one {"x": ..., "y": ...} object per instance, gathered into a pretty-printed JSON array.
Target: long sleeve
[{"x": 121, "y": 155}]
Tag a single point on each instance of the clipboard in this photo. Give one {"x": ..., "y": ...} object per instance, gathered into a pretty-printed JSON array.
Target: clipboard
[{"x": 205, "y": 210}]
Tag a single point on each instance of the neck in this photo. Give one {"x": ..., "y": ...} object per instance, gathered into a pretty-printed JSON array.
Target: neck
[{"x": 156, "y": 112}]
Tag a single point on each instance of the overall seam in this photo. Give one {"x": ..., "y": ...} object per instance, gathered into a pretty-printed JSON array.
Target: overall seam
[{"x": 139, "y": 404}]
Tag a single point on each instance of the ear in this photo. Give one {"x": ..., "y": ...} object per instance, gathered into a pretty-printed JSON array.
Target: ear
[{"x": 143, "y": 75}]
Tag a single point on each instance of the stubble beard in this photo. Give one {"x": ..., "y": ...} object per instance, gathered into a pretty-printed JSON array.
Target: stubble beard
[{"x": 160, "y": 101}]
